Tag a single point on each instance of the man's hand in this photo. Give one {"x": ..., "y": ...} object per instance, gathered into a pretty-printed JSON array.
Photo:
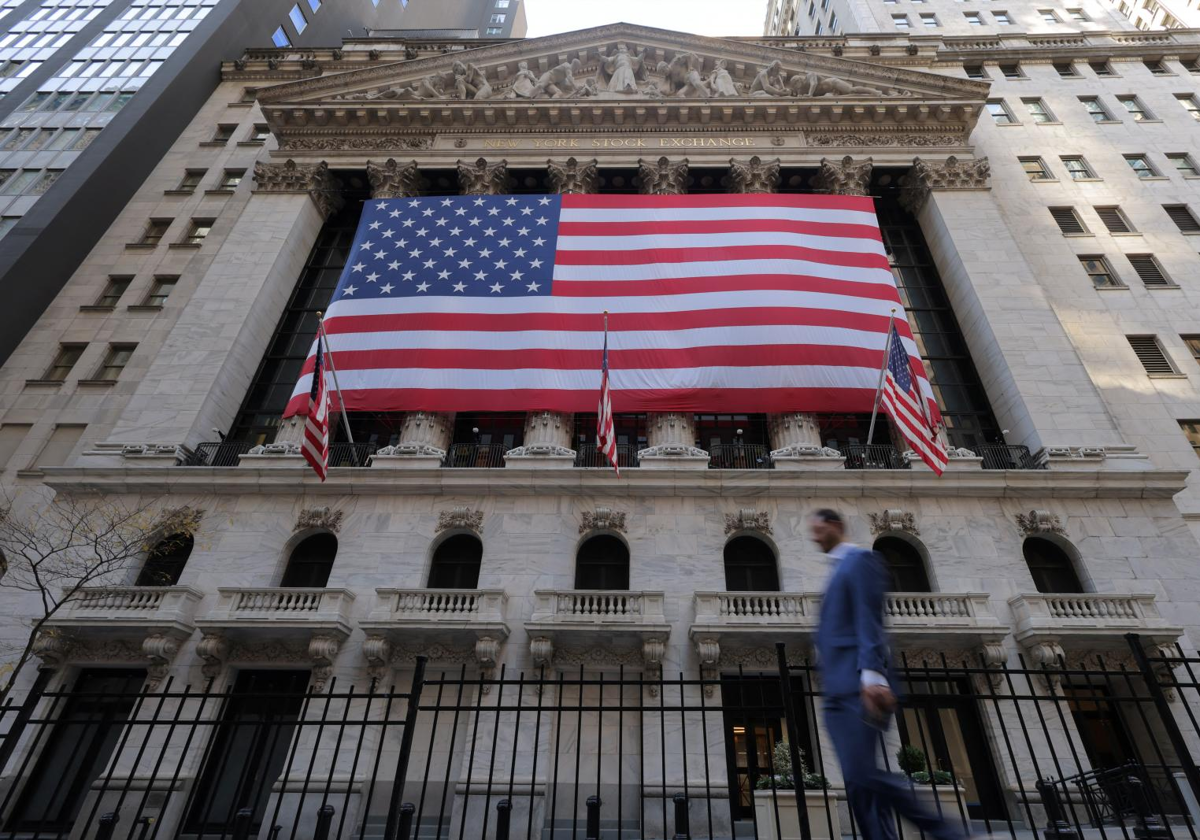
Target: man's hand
[{"x": 878, "y": 701}]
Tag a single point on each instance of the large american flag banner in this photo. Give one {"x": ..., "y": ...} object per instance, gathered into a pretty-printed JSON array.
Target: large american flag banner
[{"x": 748, "y": 303}]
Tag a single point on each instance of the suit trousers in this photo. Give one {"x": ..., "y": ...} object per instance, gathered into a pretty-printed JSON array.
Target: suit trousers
[{"x": 875, "y": 796}]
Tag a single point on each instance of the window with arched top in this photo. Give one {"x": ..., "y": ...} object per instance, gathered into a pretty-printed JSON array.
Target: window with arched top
[
  {"x": 1052, "y": 569},
  {"x": 456, "y": 563},
  {"x": 164, "y": 564},
  {"x": 905, "y": 565},
  {"x": 750, "y": 566},
  {"x": 602, "y": 562},
  {"x": 311, "y": 561}
]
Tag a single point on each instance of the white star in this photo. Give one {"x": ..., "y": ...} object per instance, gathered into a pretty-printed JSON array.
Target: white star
[
  {"x": 504, "y": 243},
  {"x": 501, "y": 263},
  {"x": 450, "y": 252},
  {"x": 523, "y": 231},
  {"x": 490, "y": 232},
  {"x": 474, "y": 222},
  {"x": 381, "y": 205},
  {"x": 372, "y": 277},
  {"x": 380, "y": 254},
  {"x": 443, "y": 275},
  {"x": 508, "y": 222},
  {"x": 428, "y": 211},
  {"x": 395, "y": 214},
  {"x": 517, "y": 275},
  {"x": 408, "y": 275},
  {"x": 511, "y": 202},
  {"x": 414, "y": 203},
  {"x": 386, "y": 288},
  {"x": 403, "y": 243},
  {"x": 542, "y": 220},
  {"x": 460, "y": 211},
  {"x": 493, "y": 211},
  {"x": 366, "y": 246},
  {"x": 408, "y": 222},
  {"x": 349, "y": 290},
  {"x": 479, "y": 275},
  {"x": 464, "y": 264},
  {"x": 433, "y": 243},
  {"x": 359, "y": 267},
  {"x": 455, "y": 231},
  {"x": 469, "y": 242},
  {"x": 441, "y": 222},
  {"x": 416, "y": 252},
  {"x": 376, "y": 225},
  {"x": 525, "y": 211},
  {"x": 388, "y": 234},
  {"x": 544, "y": 200},
  {"x": 533, "y": 287},
  {"x": 422, "y": 232},
  {"x": 422, "y": 287},
  {"x": 459, "y": 287},
  {"x": 395, "y": 265},
  {"x": 536, "y": 264},
  {"x": 485, "y": 253},
  {"x": 445, "y": 202},
  {"x": 497, "y": 288},
  {"x": 539, "y": 241},
  {"x": 478, "y": 202},
  {"x": 428, "y": 263},
  {"x": 520, "y": 252}
]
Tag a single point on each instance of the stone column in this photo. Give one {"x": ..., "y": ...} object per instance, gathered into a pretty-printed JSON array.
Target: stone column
[
  {"x": 198, "y": 379},
  {"x": 548, "y": 433}
]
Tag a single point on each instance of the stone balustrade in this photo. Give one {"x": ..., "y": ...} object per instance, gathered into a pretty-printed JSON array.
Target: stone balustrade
[
  {"x": 282, "y": 609},
  {"x": 132, "y": 607},
  {"x": 592, "y": 617},
  {"x": 1093, "y": 618},
  {"x": 435, "y": 623},
  {"x": 470, "y": 604}
]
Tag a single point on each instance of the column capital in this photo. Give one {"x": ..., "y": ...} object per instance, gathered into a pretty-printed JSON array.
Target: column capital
[
  {"x": 394, "y": 180},
  {"x": 954, "y": 174},
  {"x": 573, "y": 177},
  {"x": 845, "y": 177},
  {"x": 291, "y": 178},
  {"x": 483, "y": 178},
  {"x": 663, "y": 176},
  {"x": 754, "y": 176}
]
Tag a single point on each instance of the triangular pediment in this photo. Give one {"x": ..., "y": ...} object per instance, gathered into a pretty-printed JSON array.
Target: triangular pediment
[{"x": 623, "y": 63}]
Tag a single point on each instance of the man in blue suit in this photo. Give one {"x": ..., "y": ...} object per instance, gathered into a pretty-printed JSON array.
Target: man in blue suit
[{"x": 852, "y": 651}]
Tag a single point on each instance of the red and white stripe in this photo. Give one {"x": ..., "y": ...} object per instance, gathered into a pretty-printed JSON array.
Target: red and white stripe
[
  {"x": 315, "y": 446},
  {"x": 606, "y": 434},
  {"x": 914, "y": 422},
  {"x": 754, "y": 303}
]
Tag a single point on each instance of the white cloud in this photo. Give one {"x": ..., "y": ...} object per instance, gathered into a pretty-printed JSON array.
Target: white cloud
[{"x": 702, "y": 17}]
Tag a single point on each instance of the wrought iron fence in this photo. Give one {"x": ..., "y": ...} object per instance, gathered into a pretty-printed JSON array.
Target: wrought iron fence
[
  {"x": 740, "y": 456},
  {"x": 475, "y": 456},
  {"x": 589, "y": 455},
  {"x": 613, "y": 753},
  {"x": 222, "y": 454},
  {"x": 351, "y": 454},
  {"x": 999, "y": 456},
  {"x": 877, "y": 456}
]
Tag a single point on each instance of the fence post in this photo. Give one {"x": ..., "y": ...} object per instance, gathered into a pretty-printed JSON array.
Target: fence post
[
  {"x": 1057, "y": 827},
  {"x": 1164, "y": 711},
  {"x": 1150, "y": 828},
  {"x": 406, "y": 818},
  {"x": 592, "y": 832},
  {"x": 406, "y": 738},
  {"x": 24, "y": 713},
  {"x": 324, "y": 819},
  {"x": 503, "y": 812},
  {"x": 107, "y": 825},
  {"x": 241, "y": 824},
  {"x": 793, "y": 733},
  {"x": 683, "y": 828}
]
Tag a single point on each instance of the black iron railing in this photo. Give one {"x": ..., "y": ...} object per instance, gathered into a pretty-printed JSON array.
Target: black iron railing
[
  {"x": 1000, "y": 456},
  {"x": 877, "y": 456},
  {"x": 223, "y": 454},
  {"x": 351, "y": 454},
  {"x": 475, "y": 456},
  {"x": 739, "y": 456},
  {"x": 589, "y": 455}
]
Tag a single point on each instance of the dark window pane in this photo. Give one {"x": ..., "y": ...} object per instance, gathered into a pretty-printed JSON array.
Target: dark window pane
[
  {"x": 311, "y": 562},
  {"x": 750, "y": 566},
  {"x": 456, "y": 563},
  {"x": 602, "y": 563},
  {"x": 1052, "y": 569},
  {"x": 905, "y": 565}
]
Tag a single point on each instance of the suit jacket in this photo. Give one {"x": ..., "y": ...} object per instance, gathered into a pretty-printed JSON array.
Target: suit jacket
[{"x": 850, "y": 636}]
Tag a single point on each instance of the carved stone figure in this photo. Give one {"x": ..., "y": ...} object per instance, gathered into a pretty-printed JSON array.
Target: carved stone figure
[
  {"x": 682, "y": 77},
  {"x": 393, "y": 179},
  {"x": 770, "y": 81},
  {"x": 815, "y": 85},
  {"x": 430, "y": 87},
  {"x": 720, "y": 82},
  {"x": 573, "y": 177},
  {"x": 620, "y": 71},
  {"x": 663, "y": 177},
  {"x": 754, "y": 176},
  {"x": 748, "y": 519},
  {"x": 470, "y": 82},
  {"x": 524, "y": 83},
  {"x": 483, "y": 178},
  {"x": 558, "y": 82}
]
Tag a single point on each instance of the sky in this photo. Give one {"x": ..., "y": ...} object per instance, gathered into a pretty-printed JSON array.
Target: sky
[{"x": 701, "y": 17}]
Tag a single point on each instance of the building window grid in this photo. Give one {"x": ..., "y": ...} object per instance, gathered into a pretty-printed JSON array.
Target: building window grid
[
  {"x": 1077, "y": 167},
  {"x": 114, "y": 362},
  {"x": 1135, "y": 108},
  {"x": 1095, "y": 109},
  {"x": 1036, "y": 169},
  {"x": 1191, "y": 430},
  {"x": 1189, "y": 103},
  {"x": 1000, "y": 113},
  {"x": 113, "y": 290},
  {"x": 1141, "y": 166},
  {"x": 160, "y": 291},
  {"x": 1100, "y": 272},
  {"x": 1184, "y": 164},
  {"x": 1038, "y": 111},
  {"x": 64, "y": 362}
]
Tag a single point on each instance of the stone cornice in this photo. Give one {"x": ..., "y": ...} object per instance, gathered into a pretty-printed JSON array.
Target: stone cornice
[
  {"x": 390, "y": 481},
  {"x": 953, "y": 174},
  {"x": 291, "y": 178}
]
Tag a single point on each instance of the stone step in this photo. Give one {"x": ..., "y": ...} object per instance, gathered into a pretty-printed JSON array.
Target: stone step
[{"x": 609, "y": 830}]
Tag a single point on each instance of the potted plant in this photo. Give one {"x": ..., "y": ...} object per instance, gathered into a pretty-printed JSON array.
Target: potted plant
[
  {"x": 774, "y": 794},
  {"x": 937, "y": 791}
]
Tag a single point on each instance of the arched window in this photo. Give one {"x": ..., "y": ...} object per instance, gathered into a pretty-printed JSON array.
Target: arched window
[
  {"x": 1051, "y": 567},
  {"x": 165, "y": 562},
  {"x": 602, "y": 563},
  {"x": 750, "y": 566},
  {"x": 905, "y": 565},
  {"x": 456, "y": 563},
  {"x": 311, "y": 561}
]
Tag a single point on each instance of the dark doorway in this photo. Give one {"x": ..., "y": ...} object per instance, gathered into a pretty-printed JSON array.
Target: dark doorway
[
  {"x": 456, "y": 563},
  {"x": 602, "y": 563},
  {"x": 905, "y": 564},
  {"x": 311, "y": 562},
  {"x": 1051, "y": 568},
  {"x": 78, "y": 750},
  {"x": 1105, "y": 738},
  {"x": 750, "y": 566},
  {"x": 165, "y": 563},
  {"x": 249, "y": 750}
]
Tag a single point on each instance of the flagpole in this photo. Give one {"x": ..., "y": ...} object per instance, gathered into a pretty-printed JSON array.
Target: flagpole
[
  {"x": 887, "y": 346},
  {"x": 337, "y": 387}
]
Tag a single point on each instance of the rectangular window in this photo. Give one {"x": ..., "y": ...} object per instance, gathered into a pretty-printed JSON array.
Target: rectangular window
[
  {"x": 929, "y": 21},
  {"x": 1191, "y": 430},
  {"x": 279, "y": 38},
  {"x": 1191, "y": 65},
  {"x": 1182, "y": 216},
  {"x": 1012, "y": 71},
  {"x": 1048, "y": 15},
  {"x": 1140, "y": 164},
  {"x": 1077, "y": 168},
  {"x": 223, "y": 133},
  {"x": 1095, "y": 109},
  {"x": 64, "y": 361},
  {"x": 297, "y": 18},
  {"x": 1192, "y": 342},
  {"x": 113, "y": 290},
  {"x": 498, "y": 19},
  {"x": 259, "y": 133},
  {"x": 1150, "y": 353},
  {"x": 12, "y": 435},
  {"x": 1068, "y": 220},
  {"x": 46, "y": 181},
  {"x": 1155, "y": 66},
  {"x": 1184, "y": 164},
  {"x": 159, "y": 292},
  {"x": 974, "y": 71},
  {"x": 1148, "y": 270},
  {"x": 315, "y": 5},
  {"x": 1078, "y": 15},
  {"x": 1002, "y": 18},
  {"x": 501, "y": 4},
  {"x": 1114, "y": 219},
  {"x": 1188, "y": 101},
  {"x": 1135, "y": 107},
  {"x": 191, "y": 179},
  {"x": 1099, "y": 272},
  {"x": 1038, "y": 111},
  {"x": 18, "y": 138},
  {"x": 973, "y": 18},
  {"x": 232, "y": 178},
  {"x": 156, "y": 229},
  {"x": 65, "y": 139},
  {"x": 21, "y": 181},
  {"x": 1066, "y": 70},
  {"x": 198, "y": 232},
  {"x": 58, "y": 448},
  {"x": 496, "y": 30},
  {"x": 1101, "y": 68},
  {"x": 900, "y": 21},
  {"x": 114, "y": 362},
  {"x": 1000, "y": 113},
  {"x": 1036, "y": 169}
]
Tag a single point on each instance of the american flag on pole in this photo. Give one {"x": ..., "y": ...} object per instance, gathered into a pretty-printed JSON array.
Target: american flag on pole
[
  {"x": 907, "y": 409},
  {"x": 606, "y": 436},
  {"x": 316, "y": 426},
  {"x": 753, "y": 303}
]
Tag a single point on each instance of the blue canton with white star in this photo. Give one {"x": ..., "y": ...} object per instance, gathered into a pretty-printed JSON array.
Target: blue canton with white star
[
  {"x": 898, "y": 363},
  {"x": 466, "y": 245}
]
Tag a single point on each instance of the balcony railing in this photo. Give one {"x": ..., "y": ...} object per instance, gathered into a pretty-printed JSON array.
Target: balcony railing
[
  {"x": 739, "y": 456},
  {"x": 351, "y": 454},
  {"x": 574, "y": 616},
  {"x": 475, "y": 456},
  {"x": 280, "y": 608},
  {"x": 877, "y": 456},
  {"x": 999, "y": 456},
  {"x": 217, "y": 454},
  {"x": 448, "y": 604},
  {"x": 589, "y": 455},
  {"x": 109, "y": 607},
  {"x": 781, "y": 607},
  {"x": 1089, "y": 616}
]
